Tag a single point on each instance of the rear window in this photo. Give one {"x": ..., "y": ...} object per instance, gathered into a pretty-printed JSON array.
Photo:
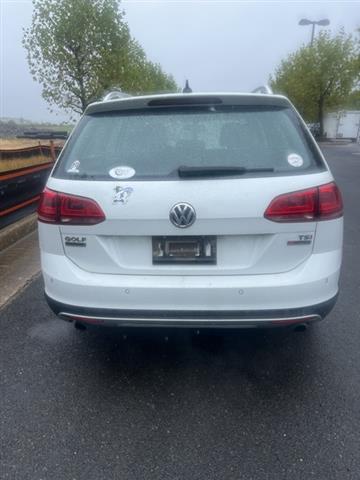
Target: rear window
[{"x": 154, "y": 143}]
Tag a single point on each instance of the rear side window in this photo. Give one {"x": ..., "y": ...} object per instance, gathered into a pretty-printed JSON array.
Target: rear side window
[{"x": 154, "y": 143}]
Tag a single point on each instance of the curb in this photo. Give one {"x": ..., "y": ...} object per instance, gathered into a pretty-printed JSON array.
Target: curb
[{"x": 12, "y": 233}]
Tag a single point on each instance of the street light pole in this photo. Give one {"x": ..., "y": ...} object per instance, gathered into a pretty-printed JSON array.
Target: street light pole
[
  {"x": 312, "y": 34},
  {"x": 323, "y": 23}
]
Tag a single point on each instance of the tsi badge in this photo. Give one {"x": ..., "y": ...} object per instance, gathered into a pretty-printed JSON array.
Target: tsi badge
[
  {"x": 304, "y": 239},
  {"x": 71, "y": 241}
]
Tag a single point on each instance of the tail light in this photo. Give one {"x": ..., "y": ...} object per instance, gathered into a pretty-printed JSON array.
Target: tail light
[
  {"x": 61, "y": 208},
  {"x": 313, "y": 204}
]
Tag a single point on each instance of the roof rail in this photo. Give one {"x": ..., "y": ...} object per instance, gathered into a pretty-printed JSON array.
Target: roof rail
[
  {"x": 115, "y": 95},
  {"x": 263, "y": 89}
]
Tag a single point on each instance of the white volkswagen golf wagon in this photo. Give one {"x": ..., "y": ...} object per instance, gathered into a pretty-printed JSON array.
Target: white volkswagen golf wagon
[{"x": 191, "y": 210}]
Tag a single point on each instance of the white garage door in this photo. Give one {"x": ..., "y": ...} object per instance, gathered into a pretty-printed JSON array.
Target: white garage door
[{"x": 349, "y": 125}]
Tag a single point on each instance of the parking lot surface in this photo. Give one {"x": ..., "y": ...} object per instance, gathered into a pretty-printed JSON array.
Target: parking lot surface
[{"x": 255, "y": 405}]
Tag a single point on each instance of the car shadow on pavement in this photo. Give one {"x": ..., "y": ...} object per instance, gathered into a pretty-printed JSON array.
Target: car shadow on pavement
[{"x": 262, "y": 360}]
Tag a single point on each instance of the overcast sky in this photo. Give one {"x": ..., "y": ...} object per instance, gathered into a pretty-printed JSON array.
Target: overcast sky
[{"x": 218, "y": 45}]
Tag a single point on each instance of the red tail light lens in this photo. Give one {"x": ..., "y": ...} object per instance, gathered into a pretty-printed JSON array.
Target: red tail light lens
[
  {"x": 293, "y": 207},
  {"x": 61, "y": 208},
  {"x": 330, "y": 201},
  {"x": 48, "y": 207},
  {"x": 318, "y": 203}
]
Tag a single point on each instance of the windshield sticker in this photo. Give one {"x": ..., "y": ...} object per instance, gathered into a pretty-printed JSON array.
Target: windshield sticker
[
  {"x": 74, "y": 167},
  {"x": 295, "y": 160},
  {"x": 122, "y": 172},
  {"x": 122, "y": 194}
]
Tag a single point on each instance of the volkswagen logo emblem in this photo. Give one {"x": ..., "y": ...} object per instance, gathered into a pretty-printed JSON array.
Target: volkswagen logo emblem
[{"x": 182, "y": 215}]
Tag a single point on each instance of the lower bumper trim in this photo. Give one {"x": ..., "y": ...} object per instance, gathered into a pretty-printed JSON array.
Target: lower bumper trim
[
  {"x": 194, "y": 323},
  {"x": 191, "y": 319}
]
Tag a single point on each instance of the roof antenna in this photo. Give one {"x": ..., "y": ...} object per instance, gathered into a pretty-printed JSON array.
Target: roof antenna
[{"x": 187, "y": 88}]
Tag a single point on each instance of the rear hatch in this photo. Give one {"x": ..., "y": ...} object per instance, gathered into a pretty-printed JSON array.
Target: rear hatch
[{"x": 225, "y": 158}]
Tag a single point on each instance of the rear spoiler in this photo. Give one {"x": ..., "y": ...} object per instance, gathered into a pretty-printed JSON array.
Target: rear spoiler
[{"x": 187, "y": 99}]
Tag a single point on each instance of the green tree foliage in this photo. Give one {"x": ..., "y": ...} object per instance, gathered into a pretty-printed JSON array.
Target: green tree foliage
[
  {"x": 357, "y": 59},
  {"x": 79, "y": 49},
  {"x": 319, "y": 77},
  {"x": 353, "y": 101},
  {"x": 354, "y": 98}
]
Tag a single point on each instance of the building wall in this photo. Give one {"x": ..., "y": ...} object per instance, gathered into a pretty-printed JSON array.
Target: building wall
[{"x": 343, "y": 124}]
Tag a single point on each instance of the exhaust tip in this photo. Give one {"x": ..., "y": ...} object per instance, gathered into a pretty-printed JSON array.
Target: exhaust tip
[
  {"x": 79, "y": 326},
  {"x": 301, "y": 327}
]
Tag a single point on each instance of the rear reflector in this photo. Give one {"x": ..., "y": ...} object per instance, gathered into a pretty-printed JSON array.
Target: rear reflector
[
  {"x": 61, "y": 208},
  {"x": 311, "y": 205}
]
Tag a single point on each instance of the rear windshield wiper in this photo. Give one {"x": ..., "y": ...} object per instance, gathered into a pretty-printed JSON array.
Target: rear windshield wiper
[
  {"x": 81, "y": 176},
  {"x": 217, "y": 171}
]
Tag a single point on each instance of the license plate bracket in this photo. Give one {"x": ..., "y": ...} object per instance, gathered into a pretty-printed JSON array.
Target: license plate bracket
[{"x": 184, "y": 250}]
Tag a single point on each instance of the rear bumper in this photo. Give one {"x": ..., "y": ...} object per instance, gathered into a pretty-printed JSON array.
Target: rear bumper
[
  {"x": 312, "y": 283},
  {"x": 191, "y": 319}
]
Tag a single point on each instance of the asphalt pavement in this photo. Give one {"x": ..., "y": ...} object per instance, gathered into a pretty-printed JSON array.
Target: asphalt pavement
[{"x": 256, "y": 405}]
